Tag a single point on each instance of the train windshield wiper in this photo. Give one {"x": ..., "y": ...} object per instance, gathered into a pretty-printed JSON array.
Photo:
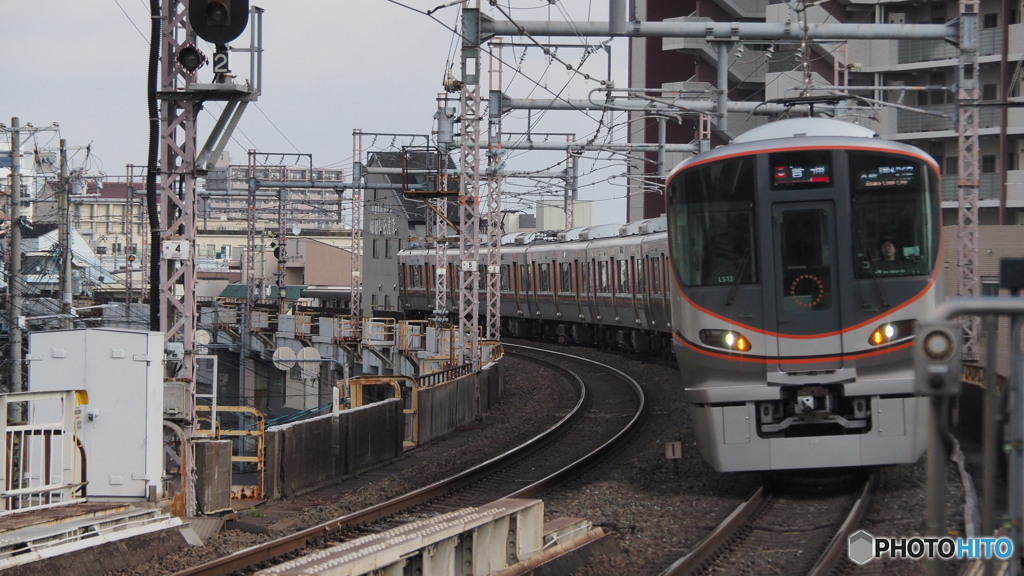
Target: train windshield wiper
[
  {"x": 874, "y": 276},
  {"x": 739, "y": 274}
]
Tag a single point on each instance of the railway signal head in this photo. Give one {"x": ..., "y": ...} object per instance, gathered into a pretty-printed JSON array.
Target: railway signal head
[
  {"x": 191, "y": 58},
  {"x": 937, "y": 358},
  {"x": 218, "y": 21}
]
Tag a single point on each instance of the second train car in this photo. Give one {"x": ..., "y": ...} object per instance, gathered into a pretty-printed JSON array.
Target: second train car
[{"x": 788, "y": 277}]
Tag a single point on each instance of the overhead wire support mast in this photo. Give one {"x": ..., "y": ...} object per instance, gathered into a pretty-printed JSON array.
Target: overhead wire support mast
[
  {"x": 469, "y": 191},
  {"x": 180, "y": 98},
  {"x": 494, "y": 181},
  {"x": 968, "y": 168}
]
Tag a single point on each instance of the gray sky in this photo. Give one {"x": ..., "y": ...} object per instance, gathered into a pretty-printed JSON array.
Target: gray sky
[{"x": 330, "y": 66}]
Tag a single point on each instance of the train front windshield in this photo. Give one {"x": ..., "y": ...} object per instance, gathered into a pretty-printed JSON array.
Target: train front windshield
[
  {"x": 894, "y": 224},
  {"x": 713, "y": 223}
]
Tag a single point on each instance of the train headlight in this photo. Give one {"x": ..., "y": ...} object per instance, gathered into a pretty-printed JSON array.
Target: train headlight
[
  {"x": 726, "y": 339},
  {"x": 891, "y": 332}
]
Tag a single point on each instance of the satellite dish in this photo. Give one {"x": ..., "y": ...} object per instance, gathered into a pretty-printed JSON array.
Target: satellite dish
[
  {"x": 284, "y": 358},
  {"x": 202, "y": 337},
  {"x": 311, "y": 362},
  {"x": 296, "y": 229}
]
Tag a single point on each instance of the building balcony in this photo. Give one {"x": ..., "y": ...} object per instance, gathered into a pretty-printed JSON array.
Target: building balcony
[
  {"x": 988, "y": 188},
  {"x": 745, "y": 67},
  {"x": 942, "y": 118},
  {"x": 990, "y": 43}
]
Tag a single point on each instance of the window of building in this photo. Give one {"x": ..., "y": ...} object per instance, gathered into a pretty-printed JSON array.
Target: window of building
[
  {"x": 373, "y": 248},
  {"x": 988, "y": 163},
  {"x": 950, "y": 166},
  {"x": 990, "y": 20},
  {"x": 989, "y": 92},
  {"x": 387, "y": 248}
]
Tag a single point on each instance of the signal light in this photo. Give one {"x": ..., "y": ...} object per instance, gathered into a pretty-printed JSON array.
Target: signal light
[
  {"x": 191, "y": 58},
  {"x": 937, "y": 362},
  {"x": 218, "y": 21}
]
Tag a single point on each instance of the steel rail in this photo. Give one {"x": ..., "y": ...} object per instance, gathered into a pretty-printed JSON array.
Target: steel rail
[{"x": 292, "y": 543}]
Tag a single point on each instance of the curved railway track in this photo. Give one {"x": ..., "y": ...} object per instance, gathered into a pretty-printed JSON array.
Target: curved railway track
[
  {"x": 610, "y": 404},
  {"x": 782, "y": 532}
]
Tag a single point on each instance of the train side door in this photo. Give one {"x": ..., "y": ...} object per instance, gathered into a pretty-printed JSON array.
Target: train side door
[{"x": 806, "y": 289}]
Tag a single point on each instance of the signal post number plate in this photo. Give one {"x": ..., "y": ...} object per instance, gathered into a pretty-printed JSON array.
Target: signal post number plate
[{"x": 175, "y": 250}]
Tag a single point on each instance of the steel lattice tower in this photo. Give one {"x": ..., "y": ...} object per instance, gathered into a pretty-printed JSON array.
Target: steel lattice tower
[{"x": 177, "y": 299}]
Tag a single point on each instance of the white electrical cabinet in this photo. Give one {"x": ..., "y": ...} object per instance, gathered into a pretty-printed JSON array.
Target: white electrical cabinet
[{"x": 122, "y": 425}]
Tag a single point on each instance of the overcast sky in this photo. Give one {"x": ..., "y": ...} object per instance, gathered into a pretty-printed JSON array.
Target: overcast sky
[{"x": 330, "y": 66}]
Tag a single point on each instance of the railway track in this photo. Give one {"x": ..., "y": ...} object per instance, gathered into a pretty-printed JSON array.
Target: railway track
[
  {"x": 609, "y": 405},
  {"x": 782, "y": 531}
]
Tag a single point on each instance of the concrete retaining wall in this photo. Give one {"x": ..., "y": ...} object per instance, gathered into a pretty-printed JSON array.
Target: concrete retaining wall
[
  {"x": 445, "y": 407},
  {"x": 302, "y": 456}
]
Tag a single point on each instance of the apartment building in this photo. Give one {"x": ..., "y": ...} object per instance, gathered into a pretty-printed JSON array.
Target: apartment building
[{"x": 910, "y": 81}]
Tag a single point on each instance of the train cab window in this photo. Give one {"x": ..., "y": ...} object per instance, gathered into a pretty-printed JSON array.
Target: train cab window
[
  {"x": 712, "y": 225},
  {"x": 544, "y": 277},
  {"x": 565, "y": 277},
  {"x": 895, "y": 219}
]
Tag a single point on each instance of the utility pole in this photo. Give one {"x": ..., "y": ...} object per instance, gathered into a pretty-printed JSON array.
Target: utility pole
[
  {"x": 14, "y": 281},
  {"x": 64, "y": 238}
]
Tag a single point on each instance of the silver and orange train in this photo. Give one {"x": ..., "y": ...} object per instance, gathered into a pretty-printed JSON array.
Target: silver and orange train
[{"x": 787, "y": 277}]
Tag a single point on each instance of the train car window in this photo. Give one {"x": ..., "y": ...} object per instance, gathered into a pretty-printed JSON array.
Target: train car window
[
  {"x": 655, "y": 276},
  {"x": 621, "y": 277},
  {"x": 806, "y": 273},
  {"x": 544, "y": 277},
  {"x": 565, "y": 277},
  {"x": 505, "y": 273},
  {"x": 801, "y": 169},
  {"x": 895, "y": 216},
  {"x": 415, "y": 276},
  {"x": 712, "y": 225},
  {"x": 641, "y": 281},
  {"x": 524, "y": 278},
  {"x": 602, "y": 277},
  {"x": 585, "y": 285}
]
